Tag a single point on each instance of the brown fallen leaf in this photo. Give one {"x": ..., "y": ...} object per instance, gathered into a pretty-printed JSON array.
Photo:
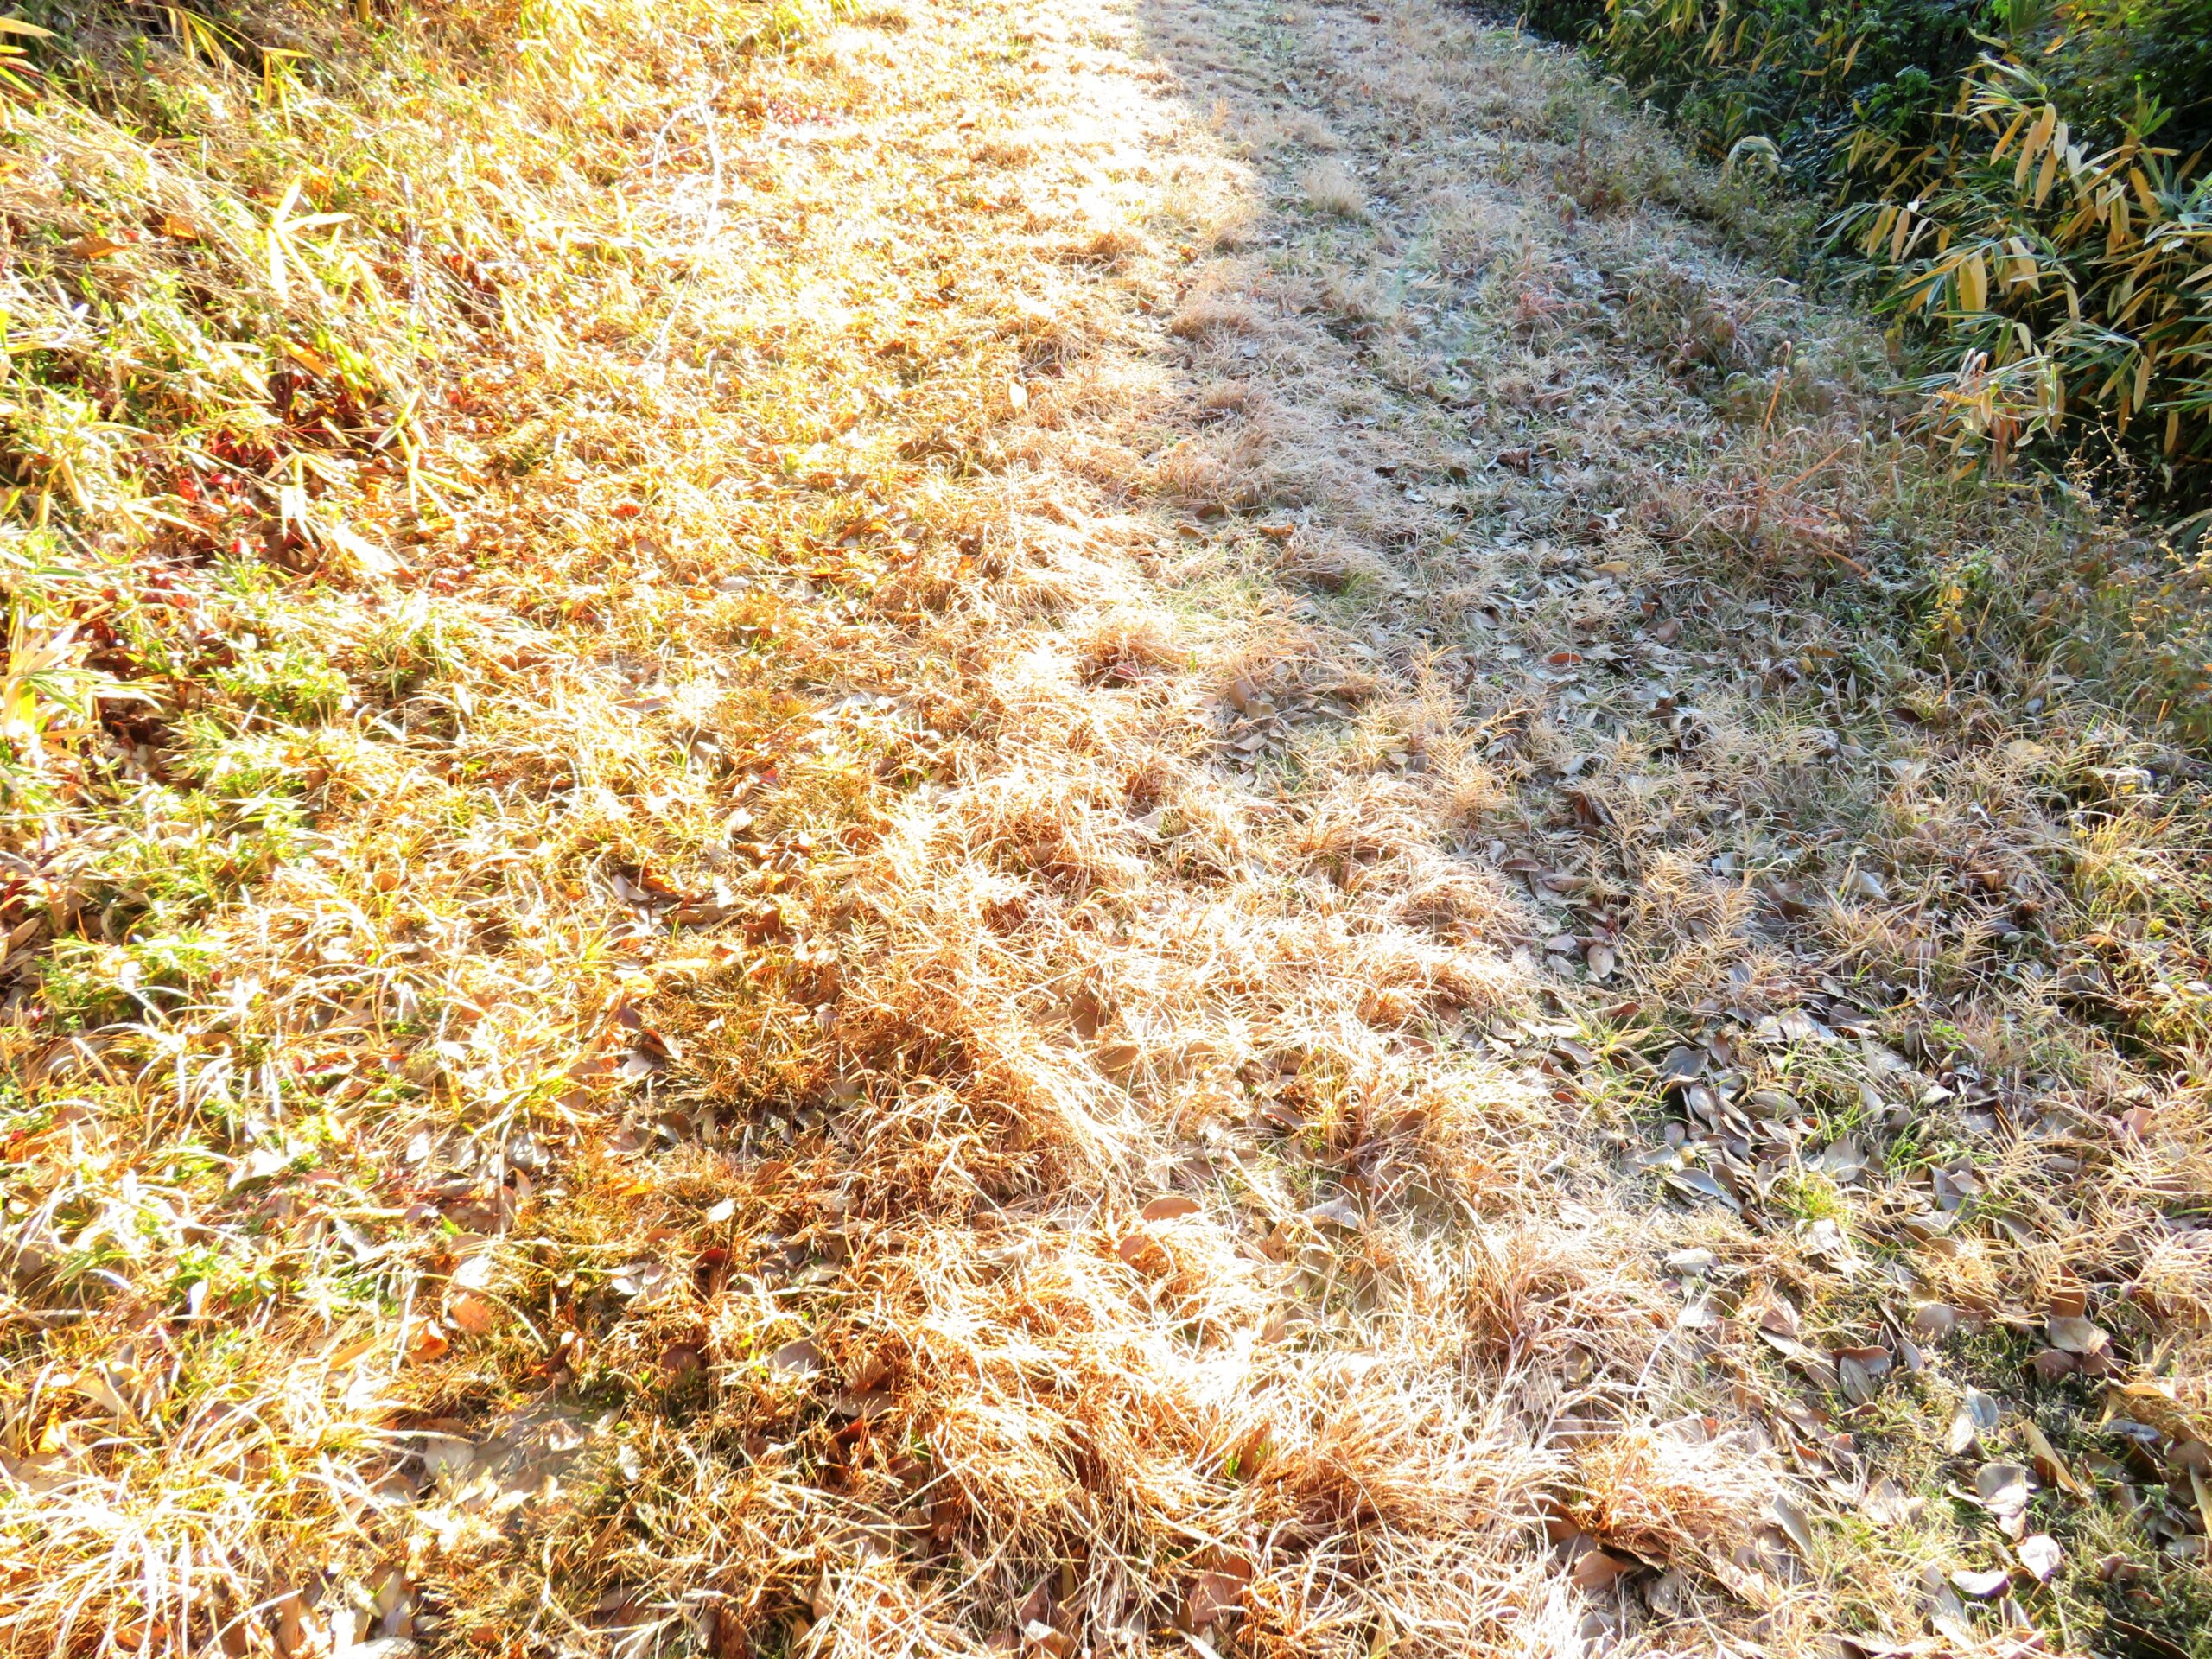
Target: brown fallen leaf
[
  {"x": 96, "y": 246},
  {"x": 1858, "y": 1383},
  {"x": 2147, "y": 1401},
  {"x": 2048, "y": 1464},
  {"x": 1596, "y": 1570},
  {"x": 1888, "y": 1504},
  {"x": 471, "y": 1311},
  {"x": 316, "y": 365},
  {"x": 2051, "y": 1364},
  {"x": 1169, "y": 1208},
  {"x": 1118, "y": 1060},
  {"x": 1133, "y": 1248},
  {"x": 1698, "y": 1184},
  {"x": 1211, "y": 1596}
]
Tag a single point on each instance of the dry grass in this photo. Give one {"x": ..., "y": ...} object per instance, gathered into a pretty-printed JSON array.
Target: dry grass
[
  {"x": 828, "y": 854},
  {"x": 1332, "y": 188}
]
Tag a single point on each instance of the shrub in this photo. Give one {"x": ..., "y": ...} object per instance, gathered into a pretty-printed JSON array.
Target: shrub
[
  {"x": 2019, "y": 184},
  {"x": 2069, "y": 276}
]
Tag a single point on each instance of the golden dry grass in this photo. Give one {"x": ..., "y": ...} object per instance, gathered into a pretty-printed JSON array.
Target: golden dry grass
[{"x": 958, "y": 878}]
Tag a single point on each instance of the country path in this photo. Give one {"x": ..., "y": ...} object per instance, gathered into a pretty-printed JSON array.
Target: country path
[{"x": 1230, "y": 893}]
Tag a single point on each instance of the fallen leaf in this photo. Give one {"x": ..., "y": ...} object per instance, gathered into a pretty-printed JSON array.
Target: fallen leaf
[
  {"x": 1888, "y": 1504},
  {"x": 2003, "y": 1489},
  {"x": 1935, "y": 1321},
  {"x": 1857, "y": 1381},
  {"x": 1877, "y": 1361},
  {"x": 1211, "y": 1596},
  {"x": 2052, "y": 1363},
  {"x": 1336, "y": 1213},
  {"x": 1845, "y": 1161},
  {"x": 1791, "y": 1519},
  {"x": 475, "y": 1273},
  {"x": 1170, "y": 1208},
  {"x": 1116, "y": 1060},
  {"x": 95, "y": 1386},
  {"x": 1793, "y": 1026},
  {"x": 797, "y": 1361},
  {"x": 2048, "y": 1463},
  {"x": 1981, "y": 1587},
  {"x": 2040, "y": 1554},
  {"x": 2073, "y": 1334},
  {"x": 308, "y": 359},
  {"x": 1699, "y": 1313},
  {"x": 96, "y": 247},
  {"x": 1978, "y": 1414},
  {"x": 472, "y": 1312},
  {"x": 1133, "y": 1248},
  {"x": 1598, "y": 1570},
  {"x": 1698, "y": 1184},
  {"x": 640, "y": 1278}
]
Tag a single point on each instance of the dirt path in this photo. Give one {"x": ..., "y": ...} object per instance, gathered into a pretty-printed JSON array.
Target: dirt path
[
  {"x": 1198, "y": 851},
  {"x": 1426, "y": 794}
]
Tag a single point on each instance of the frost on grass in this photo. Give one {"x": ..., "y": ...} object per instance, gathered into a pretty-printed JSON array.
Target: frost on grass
[{"x": 805, "y": 854}]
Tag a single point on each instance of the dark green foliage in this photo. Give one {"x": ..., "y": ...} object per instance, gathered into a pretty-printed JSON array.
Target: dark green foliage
[
  {"x": 2070, "y": 302},
  {"x": 1796, "y": 73}
]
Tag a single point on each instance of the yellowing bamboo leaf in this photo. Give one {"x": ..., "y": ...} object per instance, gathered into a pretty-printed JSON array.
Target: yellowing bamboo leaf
[
  {"x": 2039, "y": 136},
  {"x": 1880, "y": 230},
  {"x": 1974, "y": 283}
]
